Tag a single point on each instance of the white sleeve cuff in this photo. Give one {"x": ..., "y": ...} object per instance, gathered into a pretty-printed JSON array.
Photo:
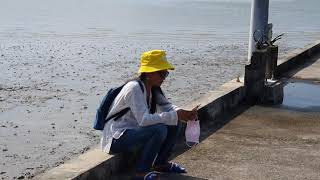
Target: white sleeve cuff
[{"x": 174, "y": 118}]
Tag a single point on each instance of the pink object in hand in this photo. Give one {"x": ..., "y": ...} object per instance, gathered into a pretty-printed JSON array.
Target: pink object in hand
[{"x": 192, "y": 133}]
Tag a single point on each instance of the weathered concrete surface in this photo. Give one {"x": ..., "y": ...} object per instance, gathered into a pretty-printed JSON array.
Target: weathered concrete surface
[
  {"x": 311, "y": 72},
  {"x": 262, "y": 143},
  {"x": 71, "y": 169}
]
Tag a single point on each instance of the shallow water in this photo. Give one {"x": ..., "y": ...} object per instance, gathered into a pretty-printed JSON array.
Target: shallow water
[
  {"x": 302, "y": 96},
  {"x": 221, "y": 21}
]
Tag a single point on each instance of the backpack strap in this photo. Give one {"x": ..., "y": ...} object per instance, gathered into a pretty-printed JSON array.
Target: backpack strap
[
  {"x": 141, "y": 85},
  {"x": 154, "y": 91},
  {"x": 125, "y": 110}
]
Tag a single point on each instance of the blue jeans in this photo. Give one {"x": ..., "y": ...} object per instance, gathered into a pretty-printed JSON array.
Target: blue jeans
[{"x": 155, "y": 143}]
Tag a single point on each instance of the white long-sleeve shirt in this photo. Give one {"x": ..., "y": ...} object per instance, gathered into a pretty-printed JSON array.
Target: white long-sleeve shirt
[{"x": 132, "y": 96}]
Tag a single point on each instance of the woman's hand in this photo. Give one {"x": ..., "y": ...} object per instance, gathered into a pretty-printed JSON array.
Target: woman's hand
[{"x": 184, "y": 115}]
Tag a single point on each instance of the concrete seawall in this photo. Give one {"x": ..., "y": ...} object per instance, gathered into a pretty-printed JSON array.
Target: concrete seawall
[
  {"x": 297, "y": 58},
  {"x": 98, "y": 165}
]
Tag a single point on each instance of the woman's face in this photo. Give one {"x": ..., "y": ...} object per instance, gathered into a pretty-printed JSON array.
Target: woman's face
[{"x": 157, "y": 78}]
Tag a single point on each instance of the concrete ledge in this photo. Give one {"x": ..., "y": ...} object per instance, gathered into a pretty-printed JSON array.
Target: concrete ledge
[
  {"x": 96, "y": 164},
  {"x": 219, "y": 101},
  {"x": 297, "y": 57},
  {"x": 80, "y": 166}
]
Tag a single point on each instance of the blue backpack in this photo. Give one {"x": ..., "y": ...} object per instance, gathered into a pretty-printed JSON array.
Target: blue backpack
[{"x": 104, "y": 108}]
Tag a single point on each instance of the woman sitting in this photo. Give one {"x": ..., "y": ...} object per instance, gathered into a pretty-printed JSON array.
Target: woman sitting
[{"x": 151, "y": 125}]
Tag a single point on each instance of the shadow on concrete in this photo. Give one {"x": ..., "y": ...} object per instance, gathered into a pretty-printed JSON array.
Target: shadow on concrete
[
  {"x": 162, "y": 177},
  {"x": 209, "y": 127},
  {"x": 179, "y": 177}
]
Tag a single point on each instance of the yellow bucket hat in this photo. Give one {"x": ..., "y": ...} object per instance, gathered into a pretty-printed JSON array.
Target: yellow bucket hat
[{"x": 154, "y": 60}]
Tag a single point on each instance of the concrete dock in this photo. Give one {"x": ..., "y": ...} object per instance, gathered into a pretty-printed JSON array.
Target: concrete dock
[
  {"x": 275, "y": 142},
  {"x": 238, "y": 141}
]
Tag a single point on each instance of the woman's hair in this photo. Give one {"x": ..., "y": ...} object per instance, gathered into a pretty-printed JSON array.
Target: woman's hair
[{"x": 142, "y": 77}]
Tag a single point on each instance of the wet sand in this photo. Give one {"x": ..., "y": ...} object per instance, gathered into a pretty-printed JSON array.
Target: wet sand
[{"x": 51, "y": 87}]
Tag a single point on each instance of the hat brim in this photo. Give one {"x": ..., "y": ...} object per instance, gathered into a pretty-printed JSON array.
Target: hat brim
[{"x": 147, "y": 69}]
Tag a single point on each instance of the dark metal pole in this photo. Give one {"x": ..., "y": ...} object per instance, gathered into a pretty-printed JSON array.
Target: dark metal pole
[{"x": 258, "y": 24}]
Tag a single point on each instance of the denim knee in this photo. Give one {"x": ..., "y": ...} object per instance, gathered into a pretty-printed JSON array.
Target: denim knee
[{"x": 160, "y": 131}]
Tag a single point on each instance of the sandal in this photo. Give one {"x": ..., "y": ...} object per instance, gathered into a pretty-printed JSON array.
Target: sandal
[
  {"x": 148, "y": 176},
  {"x": 170, "y": 168}
]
